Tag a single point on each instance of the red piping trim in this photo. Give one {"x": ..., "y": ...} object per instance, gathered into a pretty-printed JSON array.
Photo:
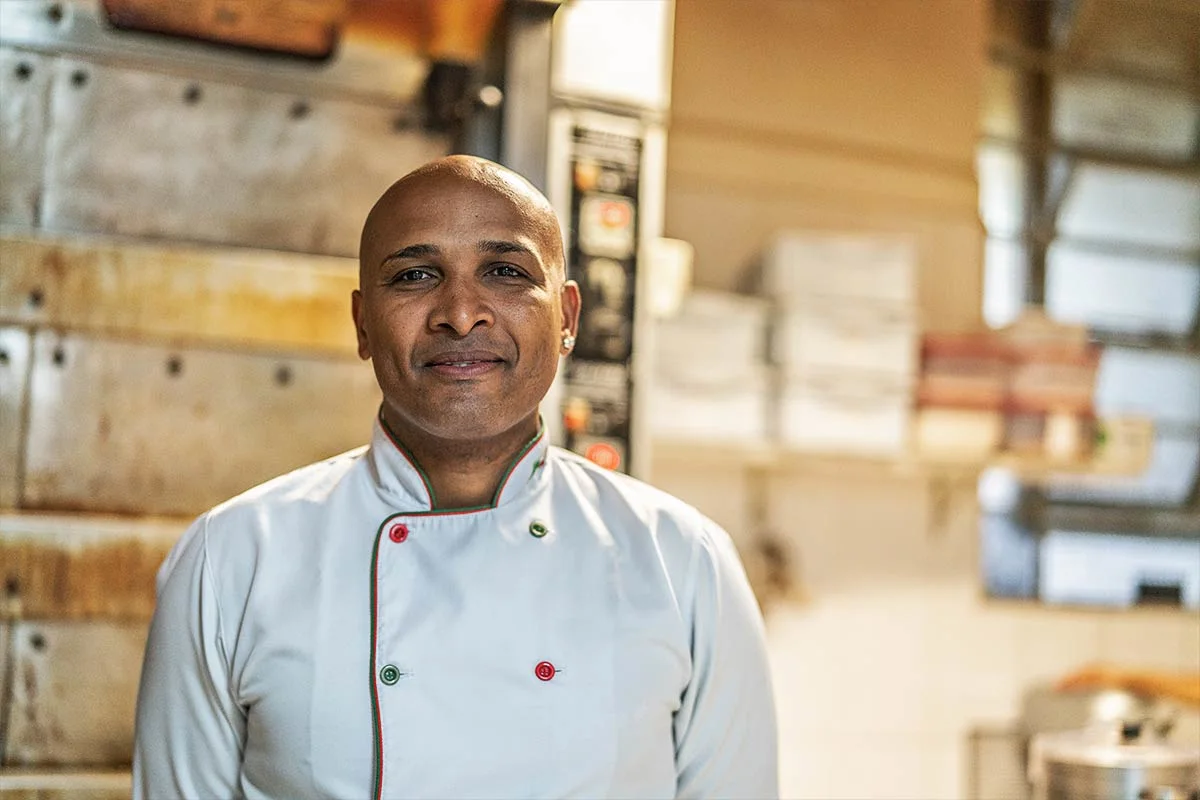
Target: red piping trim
[{"x": 378, "y": 793}]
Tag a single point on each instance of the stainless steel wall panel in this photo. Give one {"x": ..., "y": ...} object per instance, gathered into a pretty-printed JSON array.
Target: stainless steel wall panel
[
  {"x": 5, "y": 683},
  {"x": 144, "y": 154},
  {"x": 74, "y": 692},
  {"x": 25, "y": 89},
  {"x": 363, "y": 68},
  {"x": 136, "y": 428},
  {"x": 14, "y": 391},
  {"x": 82, "y": 566},
  {"x": 241, "y": 297}
]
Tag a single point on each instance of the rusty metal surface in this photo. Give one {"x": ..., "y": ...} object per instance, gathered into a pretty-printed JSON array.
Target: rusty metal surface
[
  {"x": 57, "y": 784},
  {"x": 73, "y": 693},
  {"x": 379, "y": 66},
  {"x": 25, "y": 87},
  {"x": 14, "y": 390},
  {"x": 125, "y": 427},
  {"x": 241, "y": 297},
  {"x": 216, "y": 163},
  {"x": 76, "y": 567}
]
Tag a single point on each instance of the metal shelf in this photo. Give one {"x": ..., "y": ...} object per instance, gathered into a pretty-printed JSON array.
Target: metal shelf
[
  {"x": 1124, "y": 159},
  {"x": 1183, "y": 345},
  {"x": 1141, "y": 521}
]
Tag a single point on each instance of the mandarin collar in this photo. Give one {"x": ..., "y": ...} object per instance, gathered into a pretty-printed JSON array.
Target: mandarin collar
[{"x": 398, "y": 473}]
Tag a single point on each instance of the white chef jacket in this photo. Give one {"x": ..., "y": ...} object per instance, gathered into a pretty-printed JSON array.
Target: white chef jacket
[{"x": 327, "y": 634}]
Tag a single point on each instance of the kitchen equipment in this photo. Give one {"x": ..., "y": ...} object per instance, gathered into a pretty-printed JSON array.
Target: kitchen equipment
[{"x": 1112, "y": 761}]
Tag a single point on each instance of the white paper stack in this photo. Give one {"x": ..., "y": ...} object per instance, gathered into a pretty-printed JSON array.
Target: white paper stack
[
  {"x": 710, "y": 378},
  {"x": 844, "y": 340}
]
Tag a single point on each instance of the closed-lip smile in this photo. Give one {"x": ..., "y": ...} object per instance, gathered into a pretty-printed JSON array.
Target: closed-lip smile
[{"x": 464, "y": 363}]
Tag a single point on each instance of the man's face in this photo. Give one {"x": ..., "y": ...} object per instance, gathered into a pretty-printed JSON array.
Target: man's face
[{"x": 462, "y": 309}]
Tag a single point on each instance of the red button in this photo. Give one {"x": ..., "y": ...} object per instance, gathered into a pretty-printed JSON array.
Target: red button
[
  {"x": 398, "y": 533},
  {"x": 545, "y": 671},
  {"x": 603, "y": 454}
]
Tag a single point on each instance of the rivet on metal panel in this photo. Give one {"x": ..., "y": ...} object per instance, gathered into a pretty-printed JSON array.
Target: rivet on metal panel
[
  {"x": 60, "y": 356},
  {"x": 37, "y": 641},
  {"x": 299, "y": 109},
  {"x": 24, "y": 71},
  {"x": 36, "y": 298},
  {"x": 283, "y": 375},
  {"x": 174, "y": 365},
  {"x": 79, "y": 78},
  {"x": 192, "y": 94},
  {"x": 55, "y": 13}
]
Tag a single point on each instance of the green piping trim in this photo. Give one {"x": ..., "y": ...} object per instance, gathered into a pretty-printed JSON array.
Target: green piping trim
[
  {"x": 512, "y": 467},
  {"x": 409, "y": 457},
  {"x": 433, "y": 509},
  {"x": 378, "y": 722}
]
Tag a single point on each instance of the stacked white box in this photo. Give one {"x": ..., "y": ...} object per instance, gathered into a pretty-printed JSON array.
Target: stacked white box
[
  {"x": 800, "y": 267},
  {"x": 844, "y": 340},
  {"x": 710, "y": 379}
]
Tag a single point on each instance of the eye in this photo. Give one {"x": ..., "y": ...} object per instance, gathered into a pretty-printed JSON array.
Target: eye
[
  {"x": 412, "y": 275},
  {"x": 507, "y": 271}
]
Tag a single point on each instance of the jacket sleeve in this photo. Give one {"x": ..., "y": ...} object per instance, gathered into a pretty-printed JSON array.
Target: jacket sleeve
[
  {"x": 725, "y": 731},
  {"x": 190, "y": 728}
]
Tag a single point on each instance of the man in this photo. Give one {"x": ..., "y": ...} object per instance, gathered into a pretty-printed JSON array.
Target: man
[{"x": 456, "y": 610}]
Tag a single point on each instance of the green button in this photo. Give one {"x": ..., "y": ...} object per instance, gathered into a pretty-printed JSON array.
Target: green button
[
  {"x": 538, "y": 529},
  {"x": 389, "y": 674}
]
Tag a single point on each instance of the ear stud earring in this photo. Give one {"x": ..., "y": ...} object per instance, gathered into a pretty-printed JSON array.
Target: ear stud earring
[{"x": 568, "y": 341}]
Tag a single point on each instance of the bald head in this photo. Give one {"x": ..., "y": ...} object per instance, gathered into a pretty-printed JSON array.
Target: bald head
[{"x": 452, "y": 175}]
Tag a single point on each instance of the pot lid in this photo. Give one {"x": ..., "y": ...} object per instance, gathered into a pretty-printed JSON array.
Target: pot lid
[{"x": 1105, "y": 749}]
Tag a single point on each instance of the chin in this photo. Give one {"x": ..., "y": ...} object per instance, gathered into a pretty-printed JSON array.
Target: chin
[{"x": 467, "y": 422}]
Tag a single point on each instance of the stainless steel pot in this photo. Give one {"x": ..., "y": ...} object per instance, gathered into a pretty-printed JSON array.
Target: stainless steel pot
[{"x": 1113, "y": 762}]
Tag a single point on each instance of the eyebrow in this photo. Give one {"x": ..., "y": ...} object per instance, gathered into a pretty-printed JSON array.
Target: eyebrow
[
  {"x": 490, "y": 246},
  {"x": 500, "y": 247},
  {"x": 413, "y": 251}
]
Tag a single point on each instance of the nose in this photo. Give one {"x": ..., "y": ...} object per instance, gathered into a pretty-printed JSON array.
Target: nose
[{"x": 461, "y": 306}]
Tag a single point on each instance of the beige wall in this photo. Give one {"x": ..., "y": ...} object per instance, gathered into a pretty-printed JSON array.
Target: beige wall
[{"x": 832, "y": 115}]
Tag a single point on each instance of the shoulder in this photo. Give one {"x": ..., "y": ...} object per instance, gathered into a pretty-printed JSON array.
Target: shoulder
[
  {"x": 235, "y": 529},
  {"x": 632, "y": 508},
  {"x": 308, "y": 485}
]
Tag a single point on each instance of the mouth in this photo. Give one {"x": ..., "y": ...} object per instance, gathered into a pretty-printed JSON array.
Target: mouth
[{"x": 465, "y": 364}]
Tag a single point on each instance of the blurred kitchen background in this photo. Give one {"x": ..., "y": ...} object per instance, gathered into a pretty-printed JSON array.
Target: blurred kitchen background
[{"x": 903, "y": 293}]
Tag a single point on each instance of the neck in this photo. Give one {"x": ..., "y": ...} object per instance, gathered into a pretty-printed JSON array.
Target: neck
[{"x": 462, "y": 473}]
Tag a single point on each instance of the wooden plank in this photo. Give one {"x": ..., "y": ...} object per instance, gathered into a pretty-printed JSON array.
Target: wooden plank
[
  {"x": 240, "y": 297},
  {"x": 14, "y": 391},
  {"x": 74, "y": 693},
  {"x": 81, "y": 567},
  {"x": 131, "y": 428}
]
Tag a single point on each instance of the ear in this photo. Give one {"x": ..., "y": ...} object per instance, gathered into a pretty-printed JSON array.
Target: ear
[
  {"x": 356, "y": 309},
  {"x": 570, "y": 308}
]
